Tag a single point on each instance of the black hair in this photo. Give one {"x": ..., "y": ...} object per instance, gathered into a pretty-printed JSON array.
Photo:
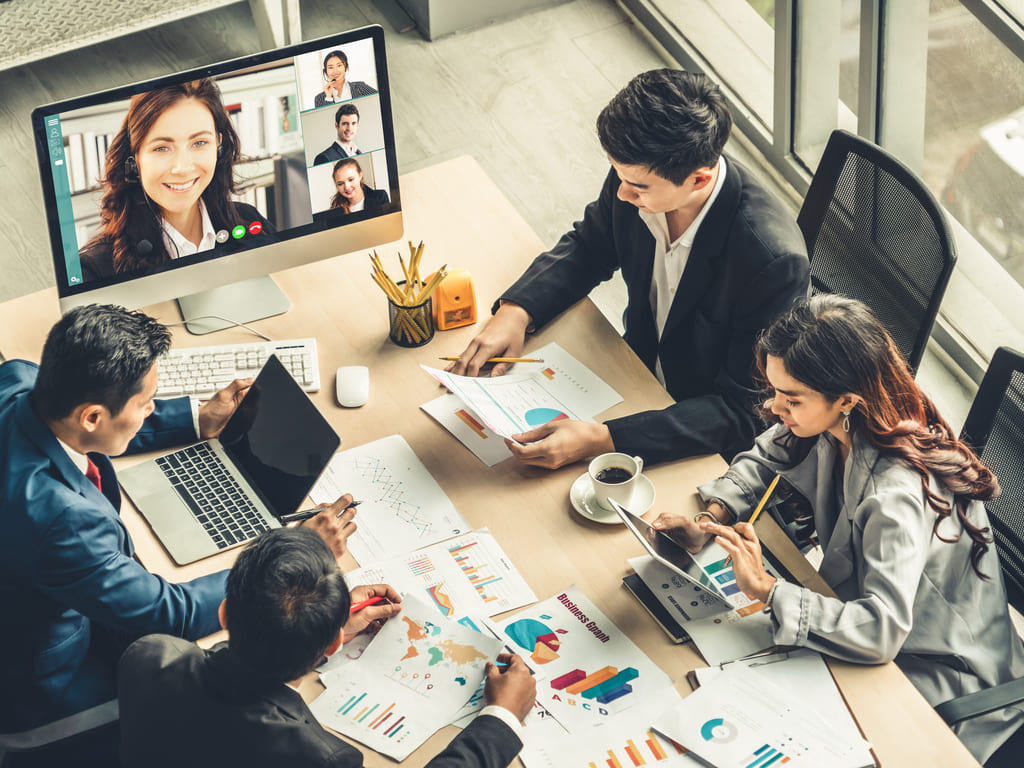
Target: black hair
[
  {"x": 286, "y": 603},
  {"x": 335, "y": 55},
  {"x": 99, "y": 353},
  {"x": 669, "y": 121},
  {"x": 347, "y": 108}
]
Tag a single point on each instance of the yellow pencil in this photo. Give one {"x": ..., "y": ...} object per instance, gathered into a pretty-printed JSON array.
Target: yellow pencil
[
  {"x": 759, "y": 507},
  {"x": 500, "y": 359}
]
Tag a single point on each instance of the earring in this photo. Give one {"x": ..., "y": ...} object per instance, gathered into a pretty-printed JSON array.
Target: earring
[{"x": 846, "y": 421}]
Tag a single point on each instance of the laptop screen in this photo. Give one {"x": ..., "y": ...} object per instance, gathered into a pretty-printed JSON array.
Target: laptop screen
[{"x": 278, "y": 439}]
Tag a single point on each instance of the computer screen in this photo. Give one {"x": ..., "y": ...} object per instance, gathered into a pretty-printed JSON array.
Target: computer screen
[{"x": 219, "y": 176}]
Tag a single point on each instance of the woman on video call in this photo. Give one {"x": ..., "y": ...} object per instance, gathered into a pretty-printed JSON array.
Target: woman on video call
[
  {"x": 168, "y": 182},
  {"x": 336, "y": 86},
  {"x": 351, "y": 193}
]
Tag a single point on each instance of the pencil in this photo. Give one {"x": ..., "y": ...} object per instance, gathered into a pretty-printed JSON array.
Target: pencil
[
  {"x": 358, "y": 606},
  {"x": 500, "y": 359},
  {"x": 760, "y": 505}
]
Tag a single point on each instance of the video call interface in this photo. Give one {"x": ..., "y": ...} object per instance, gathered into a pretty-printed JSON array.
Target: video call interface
[{"x": 313, "y": 155}]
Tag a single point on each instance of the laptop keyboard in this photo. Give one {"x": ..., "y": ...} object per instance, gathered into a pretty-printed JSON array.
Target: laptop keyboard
[{"x": 216, "y": 499}]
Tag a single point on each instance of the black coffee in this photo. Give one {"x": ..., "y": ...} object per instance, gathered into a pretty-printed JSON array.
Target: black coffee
[{"x": 614, "y": 475}]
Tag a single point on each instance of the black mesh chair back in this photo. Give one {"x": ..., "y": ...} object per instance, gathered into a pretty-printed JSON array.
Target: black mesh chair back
[
  {"x": 995, "y": 429},
  {"x": 875, "y": 233}
]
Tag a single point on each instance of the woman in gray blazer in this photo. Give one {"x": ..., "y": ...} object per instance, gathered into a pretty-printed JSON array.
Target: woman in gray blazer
[{"x": 897, "y": 507}]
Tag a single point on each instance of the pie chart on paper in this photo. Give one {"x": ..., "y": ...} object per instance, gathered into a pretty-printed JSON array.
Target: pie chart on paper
[{"x": 538, "y": 416}]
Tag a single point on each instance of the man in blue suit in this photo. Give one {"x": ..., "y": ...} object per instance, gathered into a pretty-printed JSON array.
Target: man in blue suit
[{"x": 71, "y": 595}]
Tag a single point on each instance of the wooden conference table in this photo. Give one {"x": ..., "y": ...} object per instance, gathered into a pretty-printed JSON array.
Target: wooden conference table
[{"x": 466, "y": 222}]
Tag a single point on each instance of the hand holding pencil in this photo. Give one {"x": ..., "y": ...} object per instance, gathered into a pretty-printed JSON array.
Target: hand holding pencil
[{"x": 372, "y": 604}]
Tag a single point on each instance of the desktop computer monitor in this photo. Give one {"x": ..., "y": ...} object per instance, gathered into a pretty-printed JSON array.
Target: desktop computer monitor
[{"x": 197, "y": 185}]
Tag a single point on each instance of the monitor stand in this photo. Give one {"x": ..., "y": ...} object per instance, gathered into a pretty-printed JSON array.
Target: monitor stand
[{"x": 240, "y": 302}]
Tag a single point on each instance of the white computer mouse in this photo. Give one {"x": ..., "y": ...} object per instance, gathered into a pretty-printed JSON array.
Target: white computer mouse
[{"x": 352, "y": 385}]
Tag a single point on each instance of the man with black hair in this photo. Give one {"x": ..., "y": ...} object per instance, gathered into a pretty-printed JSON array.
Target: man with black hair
[
  {"x": 72, "y": 596},
  {"x": 709, "y": 257},
  {"x": 286, "y": 607},
  {"x": 346, "y": 122}
]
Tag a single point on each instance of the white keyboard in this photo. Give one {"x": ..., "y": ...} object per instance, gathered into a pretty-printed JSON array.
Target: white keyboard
[{"x": 201, "y": 371}]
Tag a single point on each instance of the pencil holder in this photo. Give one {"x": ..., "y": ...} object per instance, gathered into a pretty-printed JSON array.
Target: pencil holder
[{"x": 411, "y": 326}]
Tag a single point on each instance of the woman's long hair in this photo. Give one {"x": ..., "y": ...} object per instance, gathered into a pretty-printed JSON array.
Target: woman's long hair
[
  {"x": 339, "y": 200},
  {"x": 836, "y": 345},
  {"x": 127, "y": 217}
]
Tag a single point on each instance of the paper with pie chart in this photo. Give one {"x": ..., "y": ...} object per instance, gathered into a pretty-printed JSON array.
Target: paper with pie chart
[
  {"x": 738, "y": 719},
  {"x": 587, "y": 669},
  {"x": 413, "y": 678}
]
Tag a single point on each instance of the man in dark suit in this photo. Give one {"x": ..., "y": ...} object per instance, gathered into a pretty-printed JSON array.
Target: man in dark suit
[
  {"x": 287, "y": 606},
  {"x": 72, "y": 596},
  {"x": 709, "y": 257},
  {"x": 346, "y": 122}
]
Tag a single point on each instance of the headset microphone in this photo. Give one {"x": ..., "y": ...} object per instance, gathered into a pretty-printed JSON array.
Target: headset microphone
[{"x": 144, "y": 247}]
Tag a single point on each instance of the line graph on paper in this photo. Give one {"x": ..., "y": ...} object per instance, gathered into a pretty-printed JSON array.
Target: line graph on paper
[{"x": 403, "y": 506}]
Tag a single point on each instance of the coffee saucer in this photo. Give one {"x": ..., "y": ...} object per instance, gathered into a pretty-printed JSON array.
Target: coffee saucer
[{"x": 583, "y": 500}]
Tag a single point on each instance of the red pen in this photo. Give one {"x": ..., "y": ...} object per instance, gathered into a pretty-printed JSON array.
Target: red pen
[{"x": 356, "y": 607}]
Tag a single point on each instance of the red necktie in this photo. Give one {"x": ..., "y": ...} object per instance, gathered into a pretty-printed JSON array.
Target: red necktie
[{"x": 93, "y": 473}]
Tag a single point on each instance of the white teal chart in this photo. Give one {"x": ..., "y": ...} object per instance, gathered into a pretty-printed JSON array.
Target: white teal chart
[
  {"x": 413, "y": 678},
  {"x": 587, "y": 669},
  {"x": 403, "y": 506}
]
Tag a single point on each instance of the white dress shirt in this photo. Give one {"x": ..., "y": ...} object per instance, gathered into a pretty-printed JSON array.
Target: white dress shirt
[
  {"x": 178, "y": 245},
  {"x": 670, "y": 258}
]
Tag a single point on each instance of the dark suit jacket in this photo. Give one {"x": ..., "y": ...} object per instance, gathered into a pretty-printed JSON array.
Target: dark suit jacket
[
  {"x": 375, "y": 198},
  {"x": 182, "y": 706},
  {"x": 747, "y": 265},
  {"x": 97, "y": 257},
  {"x": 333, "y": 154},
  {"x": 358, "y": 88},
  {"x": 71, "y": 596}
]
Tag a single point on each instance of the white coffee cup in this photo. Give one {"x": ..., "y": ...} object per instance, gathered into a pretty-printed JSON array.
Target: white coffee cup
[{"x": 614, "y": 485}]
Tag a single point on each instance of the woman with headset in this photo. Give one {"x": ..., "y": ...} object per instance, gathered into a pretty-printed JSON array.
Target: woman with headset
[
  {"x": 336, "y": 87},
  {"x": 168, "y": 183}
]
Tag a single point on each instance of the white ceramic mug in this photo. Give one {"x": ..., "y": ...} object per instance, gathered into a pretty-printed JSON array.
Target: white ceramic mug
[{"x": 621, "y": 491}]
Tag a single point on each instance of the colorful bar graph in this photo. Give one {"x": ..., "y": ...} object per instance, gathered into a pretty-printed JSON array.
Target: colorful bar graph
[
  {"x": 591, "y": 680},
  {"x": 564, "y": 681},
  {"x": 351, "y": 703},
  {"x": 615, "y": 693},
  {"x": 655, "y": 747},
  {"x": 617, "y": 681},
  {"x": 382, "y": 716},
  {"x": 764, "y": 756},
  {"x": 395, "y": 727},
  {"x": 421, "y": 565},
  {"x": 370, "y": 712},
  {"x": 634, "y": 753},
  {"x": 472, "y": 423},
  {"x": 613, "y": 761}
]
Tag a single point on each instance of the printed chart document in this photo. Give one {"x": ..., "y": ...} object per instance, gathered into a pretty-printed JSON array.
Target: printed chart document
[
  {"x": 413, "y": 678},
  {"x": 480, "y": 412},
  {"x": 403, "y": 506},
  {"x": 740, "y": 719},
  {"x": 626, "y": 740},
  {"x": 587, "y": 668},
  {"x": 804, "y": 671},
  {"x": 465, "y": 576}
]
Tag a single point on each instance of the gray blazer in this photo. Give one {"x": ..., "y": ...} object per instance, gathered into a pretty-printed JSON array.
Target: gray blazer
[{"x": 903, "y": 593}]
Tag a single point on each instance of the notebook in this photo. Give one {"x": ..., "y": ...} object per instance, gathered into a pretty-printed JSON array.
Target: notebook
[{"x": 223, "y": 492}]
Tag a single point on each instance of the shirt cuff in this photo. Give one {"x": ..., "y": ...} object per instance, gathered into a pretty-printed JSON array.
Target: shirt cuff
[
  {"x": 506, "y": 717},
  {"x": 194, "y": 402}
]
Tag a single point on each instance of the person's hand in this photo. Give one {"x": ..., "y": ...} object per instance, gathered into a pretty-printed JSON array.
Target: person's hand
[
  {"x": 511, "y": 686},
  {"x": 329, "y": 90},
  {"x": 503, "y": 336},
  {"x": 561, "y": 442},
  {"x": 335, "y": 523},
  {"x": 685, "y": 530},
  {"x": 215, "y": 412},
  {"x": 372, "y": 614},
  {"x": 741, "y": 542}
]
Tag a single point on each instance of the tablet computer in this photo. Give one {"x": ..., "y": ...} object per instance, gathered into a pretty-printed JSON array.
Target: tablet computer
[{"x": 666, "y": 551}]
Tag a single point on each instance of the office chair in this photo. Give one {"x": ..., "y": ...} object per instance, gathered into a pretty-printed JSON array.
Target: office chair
[
  {"x": 875, "y": 233},
  {"x": 995, "y": 429},
  {"x": 71, "y": 729}
]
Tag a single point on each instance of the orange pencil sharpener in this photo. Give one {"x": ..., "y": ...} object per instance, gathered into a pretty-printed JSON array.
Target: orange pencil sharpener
[{"x": 454, "y": 300}]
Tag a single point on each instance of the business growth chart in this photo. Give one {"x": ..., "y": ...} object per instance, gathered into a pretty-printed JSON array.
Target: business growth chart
[
  {"x": 403, "y": 506},
  {"x": 414, "y": 677},
  {"x": 587, "y": 669}
]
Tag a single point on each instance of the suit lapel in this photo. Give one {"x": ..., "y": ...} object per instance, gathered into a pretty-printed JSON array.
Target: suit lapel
[{"x": 707, "y": 249}]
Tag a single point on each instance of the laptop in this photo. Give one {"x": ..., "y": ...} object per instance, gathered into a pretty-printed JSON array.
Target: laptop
[
  {"x": 224, "y": 492},
  {"x": 670, "y": 554}
]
